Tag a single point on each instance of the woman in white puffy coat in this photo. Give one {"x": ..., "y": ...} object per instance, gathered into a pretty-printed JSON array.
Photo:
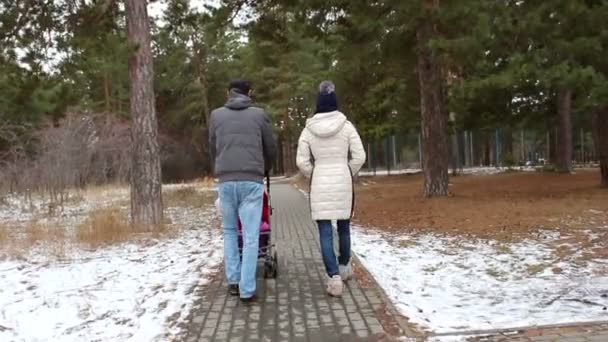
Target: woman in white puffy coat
[{"x": 330, "y": 153}]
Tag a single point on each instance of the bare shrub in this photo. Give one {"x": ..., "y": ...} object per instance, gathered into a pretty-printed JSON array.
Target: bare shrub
[
  {"x": 44, "y": 233},
  {"x": 111, "y": 159},
  {"x": 110, "y": 226},
  {"x": 4, "y": 234},
  {"x": 7, "y": 241},
  {"x": 207, "y": 182},
  {"x": 14, "y": 142},
  {"x": 104, "y": 226},
  {"x": 82, "y": 149},
  {"x": 188, "y": 197},
  {"x": 17, "y": 240}
]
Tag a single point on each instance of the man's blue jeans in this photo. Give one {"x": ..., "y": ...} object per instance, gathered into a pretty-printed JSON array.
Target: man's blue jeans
[
  {"x": 244, "y": 200},
  {"x": 326, "y": 236}
]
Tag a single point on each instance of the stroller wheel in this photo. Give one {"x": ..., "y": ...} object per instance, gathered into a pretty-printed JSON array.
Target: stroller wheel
[
  {"x": 275, "y": 264},
  {"x": 271, "y": 266},
  {"x": 269, "y": 270}
]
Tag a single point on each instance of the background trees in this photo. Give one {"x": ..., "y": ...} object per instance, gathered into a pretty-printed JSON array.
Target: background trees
[{"x": 495, "y": 68}]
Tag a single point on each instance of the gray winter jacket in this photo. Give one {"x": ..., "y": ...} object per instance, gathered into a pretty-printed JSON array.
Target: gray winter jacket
[{"x": 241, "y": 141}]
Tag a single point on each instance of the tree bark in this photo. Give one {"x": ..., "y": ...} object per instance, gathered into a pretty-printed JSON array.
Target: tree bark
[
  {"x": 600, "y": 123},
  {"x": 146, "y": 197},
  {"x": 435, "y": 147},
  {"x": 564, "y": 134}
]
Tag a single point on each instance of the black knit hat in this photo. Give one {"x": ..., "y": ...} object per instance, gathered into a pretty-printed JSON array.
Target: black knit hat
[
  {"x": 240, "y": 86},
  {"x": 327, "y": 100}
]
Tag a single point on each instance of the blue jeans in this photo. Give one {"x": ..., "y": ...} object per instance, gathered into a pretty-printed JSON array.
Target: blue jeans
[
  {"x": 326, "y": 236},
  {"x": 244, "y": 200}
]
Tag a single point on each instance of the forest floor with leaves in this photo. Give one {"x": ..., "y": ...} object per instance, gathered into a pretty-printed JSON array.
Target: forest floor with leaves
[
  {"x": 505, "y": 251},
  {"x": 502, "y": 206},
  {"x": 82, "y": 273}
]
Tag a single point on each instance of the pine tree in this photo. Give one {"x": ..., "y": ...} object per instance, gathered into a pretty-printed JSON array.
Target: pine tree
[
  {"x": 433, "y": 109},
  {"x": 146, "y": 199}
]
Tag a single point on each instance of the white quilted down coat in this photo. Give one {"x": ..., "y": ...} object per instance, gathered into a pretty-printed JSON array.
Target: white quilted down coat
[{"x": 330, "y": 152}]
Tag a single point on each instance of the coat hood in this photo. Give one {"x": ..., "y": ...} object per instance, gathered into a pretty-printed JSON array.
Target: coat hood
[
  {"x": 238, "y": 101},
  {"x": 326, "y": 124}
]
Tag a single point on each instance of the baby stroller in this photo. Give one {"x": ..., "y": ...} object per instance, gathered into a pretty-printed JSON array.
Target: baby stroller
[{"x": 266, "y": 250}]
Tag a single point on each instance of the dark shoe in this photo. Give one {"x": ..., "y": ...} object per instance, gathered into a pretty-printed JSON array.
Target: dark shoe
[
  {"x": 249, "y": 300},
  {"x": 233, "y": 289}
]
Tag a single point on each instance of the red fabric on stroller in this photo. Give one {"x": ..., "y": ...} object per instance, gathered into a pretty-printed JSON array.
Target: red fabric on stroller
[
  {"x": 265, "y": 222},
  {"x": 264, "y": 242}
]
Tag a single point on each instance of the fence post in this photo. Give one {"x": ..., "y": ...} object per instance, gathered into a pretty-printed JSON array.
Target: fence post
[
  {"x": 466, "y": 148},
  {"x": 394, "y": 151},
  {"x": 420, "y": 149},
  {"x": 369, "y": 157},
  {"x": 455, "y": 152},
  {"x": 498, "y": 147},
  {"x": 582, "y": 159},
  {"x": 556, "y": 143},
  {"x": 522, "y": 147},
  {"x": 548, "y": 156},
  {"x": 472, "y": 150},
  {"x": 374, "y": 157},
  {"x": 387, "y": 144}
]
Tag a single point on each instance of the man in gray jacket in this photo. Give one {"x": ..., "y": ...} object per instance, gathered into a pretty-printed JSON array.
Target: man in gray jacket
[{"x": 243, "y": 148}]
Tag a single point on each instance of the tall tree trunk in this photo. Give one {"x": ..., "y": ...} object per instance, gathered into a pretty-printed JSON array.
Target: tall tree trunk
[
  {"x": 564, "y": 134},
  {"x": 146, "y": 197},
  {"x": 435, "y": 147},
  {"x": 203, "y": 126},
  {"x": 600, "y": 123},
  {"x": 207, "y": 114}
]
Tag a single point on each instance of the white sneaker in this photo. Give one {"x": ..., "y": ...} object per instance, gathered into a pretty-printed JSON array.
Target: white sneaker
[
  {"x": 346, "y": 271},
  {"x": 334, "y": 286}
]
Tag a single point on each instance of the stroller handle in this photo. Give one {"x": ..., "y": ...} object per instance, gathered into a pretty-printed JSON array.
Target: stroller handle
[{"x": 267, "y": 174}]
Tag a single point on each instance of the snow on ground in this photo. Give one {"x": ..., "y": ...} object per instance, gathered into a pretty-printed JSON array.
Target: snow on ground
[
  {"x": 128, "y": 292},
  {"x": 480, "y": 170},
  {"x": 450, "y": 285},
  {"x": 391, "y": 172}
]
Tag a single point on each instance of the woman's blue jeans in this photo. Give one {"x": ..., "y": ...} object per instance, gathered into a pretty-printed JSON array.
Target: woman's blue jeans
[{"x": 326, "y": 237}]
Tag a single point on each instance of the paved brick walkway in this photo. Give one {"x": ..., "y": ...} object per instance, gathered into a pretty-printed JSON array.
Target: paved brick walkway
[{"x": 294, "y": 307}]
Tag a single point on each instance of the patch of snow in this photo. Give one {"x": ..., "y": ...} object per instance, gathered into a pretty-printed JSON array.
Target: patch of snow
[
  {"x": 450, "y": 285},
  {"x": 481, "y": 170},
  {"x": 369, "y": 173},
  {"x": 458, "y": 338},
  {"x": 128, "y": 292}
]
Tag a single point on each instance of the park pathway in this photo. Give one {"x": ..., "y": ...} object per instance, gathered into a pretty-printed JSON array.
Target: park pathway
[{"x": 294, "y": 307}]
